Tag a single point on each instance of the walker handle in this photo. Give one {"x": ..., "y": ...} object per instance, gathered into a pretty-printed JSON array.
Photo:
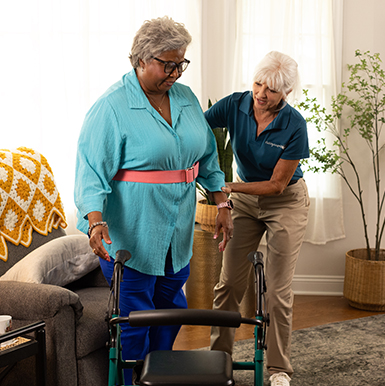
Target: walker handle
[
  {"x": 180, "y": 316},
  {"x": 255, "y": 258},
  {"x": 122, "y": 256}
]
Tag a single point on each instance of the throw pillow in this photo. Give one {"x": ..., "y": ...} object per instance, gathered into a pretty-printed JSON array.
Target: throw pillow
[{"x": 59, "y": 262}]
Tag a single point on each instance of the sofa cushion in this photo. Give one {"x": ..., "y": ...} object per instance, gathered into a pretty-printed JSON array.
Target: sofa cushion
[
  {"x": 57, "y": 262},
  {"x": 92, "y": 329},
  {"x": 92, "y": 279}
]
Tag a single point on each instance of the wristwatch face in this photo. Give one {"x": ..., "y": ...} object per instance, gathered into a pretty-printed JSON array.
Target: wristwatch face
[{"x": 227, "y": 204}]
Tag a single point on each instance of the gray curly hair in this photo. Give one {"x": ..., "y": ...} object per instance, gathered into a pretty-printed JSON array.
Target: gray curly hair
[{"x": 156, "y": 36}]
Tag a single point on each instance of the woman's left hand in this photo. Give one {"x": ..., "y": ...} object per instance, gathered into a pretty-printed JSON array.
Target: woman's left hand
[{"x": 224, "y": 221}]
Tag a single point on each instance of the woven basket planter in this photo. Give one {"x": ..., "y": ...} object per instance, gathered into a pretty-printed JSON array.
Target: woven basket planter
[
  {"x": 205, "y": 215},
  {"x": 205, "y": 268},
  {"x": 364, "y": 285}
]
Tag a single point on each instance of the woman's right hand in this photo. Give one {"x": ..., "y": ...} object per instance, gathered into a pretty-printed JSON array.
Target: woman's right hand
[
  {"x": 98, "y": 234},
  {"x": 227, "y": 189}
]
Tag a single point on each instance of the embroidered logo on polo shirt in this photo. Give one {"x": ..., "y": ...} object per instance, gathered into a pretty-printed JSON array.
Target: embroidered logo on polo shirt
[{"x": 275, "y": 145}]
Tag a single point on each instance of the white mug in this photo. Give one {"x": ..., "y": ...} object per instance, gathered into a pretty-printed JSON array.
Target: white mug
[
  {"x": 5, "y": 323},
  {"x": 6, "y": 326}
]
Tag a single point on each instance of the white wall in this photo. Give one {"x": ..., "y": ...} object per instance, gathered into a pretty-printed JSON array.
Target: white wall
[{"x": 320, "y": 269}]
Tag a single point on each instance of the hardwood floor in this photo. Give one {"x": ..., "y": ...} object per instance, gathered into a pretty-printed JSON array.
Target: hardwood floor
[{"x": 309, "y": 311}]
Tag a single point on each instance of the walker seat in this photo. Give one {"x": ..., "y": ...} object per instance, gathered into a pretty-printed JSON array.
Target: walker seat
[{"x": 188, "y": 368}]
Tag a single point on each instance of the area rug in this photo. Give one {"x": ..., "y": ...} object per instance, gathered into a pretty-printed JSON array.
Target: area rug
[{"x": 350, "y": 353}]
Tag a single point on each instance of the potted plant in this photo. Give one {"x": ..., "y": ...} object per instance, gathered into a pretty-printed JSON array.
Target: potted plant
[
  {"x": 206, "y": 208},
  {"x": 363, "y": 111}
]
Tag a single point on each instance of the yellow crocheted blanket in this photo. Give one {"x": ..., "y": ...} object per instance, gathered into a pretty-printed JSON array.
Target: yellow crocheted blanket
[{"x": 29, "y": 199}]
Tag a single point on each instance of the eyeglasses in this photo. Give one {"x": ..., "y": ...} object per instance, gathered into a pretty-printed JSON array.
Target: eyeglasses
[{"x": 169, "y": 67}]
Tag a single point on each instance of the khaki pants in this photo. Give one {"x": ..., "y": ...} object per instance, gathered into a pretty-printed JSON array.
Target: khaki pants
[{"x": 284, "y": 220}]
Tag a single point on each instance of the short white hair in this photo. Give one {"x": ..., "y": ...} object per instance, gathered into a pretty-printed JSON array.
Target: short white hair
[
  {"x": 156, "y": 36},
  {"x": 280, "y": 72}
]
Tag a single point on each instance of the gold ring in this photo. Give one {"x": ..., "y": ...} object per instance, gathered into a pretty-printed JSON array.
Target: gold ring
[{"x": 94, "y": 251}]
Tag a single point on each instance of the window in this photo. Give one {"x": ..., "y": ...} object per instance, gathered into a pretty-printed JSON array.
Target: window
[{"x": 305, "y": 30}]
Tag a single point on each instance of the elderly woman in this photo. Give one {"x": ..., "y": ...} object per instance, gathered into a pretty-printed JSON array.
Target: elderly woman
[
  {"x": 142, "y": 146},
  {"x": 269, "y": 137}
]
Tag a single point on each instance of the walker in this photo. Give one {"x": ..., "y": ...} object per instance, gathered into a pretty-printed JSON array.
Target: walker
[{"x": 185, "y": 368}]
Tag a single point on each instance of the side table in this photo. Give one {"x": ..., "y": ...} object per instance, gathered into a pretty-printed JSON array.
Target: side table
[{"x": 31, "y": 345}]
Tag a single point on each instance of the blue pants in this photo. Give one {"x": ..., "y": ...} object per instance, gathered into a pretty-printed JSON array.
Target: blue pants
[{"x": 139, "y": 291}]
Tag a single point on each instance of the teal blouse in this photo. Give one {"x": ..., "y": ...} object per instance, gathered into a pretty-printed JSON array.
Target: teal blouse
[{"x": 123, "y": 131}]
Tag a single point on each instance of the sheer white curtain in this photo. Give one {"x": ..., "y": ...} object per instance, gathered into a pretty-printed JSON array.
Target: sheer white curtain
[
  {"x": 59, "y": 56},
  {"x": 310, "y": 32}
]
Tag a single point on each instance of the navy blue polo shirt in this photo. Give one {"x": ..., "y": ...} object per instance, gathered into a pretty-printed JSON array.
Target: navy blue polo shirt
[{"x": 285, "y": 137}]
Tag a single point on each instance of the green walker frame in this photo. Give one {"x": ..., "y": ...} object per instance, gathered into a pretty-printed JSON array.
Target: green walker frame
[{"x": 186, "y": 317}]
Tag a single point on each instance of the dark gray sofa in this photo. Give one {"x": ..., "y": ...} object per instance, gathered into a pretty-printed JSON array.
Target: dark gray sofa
[{"x": 76, "y": 330}]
